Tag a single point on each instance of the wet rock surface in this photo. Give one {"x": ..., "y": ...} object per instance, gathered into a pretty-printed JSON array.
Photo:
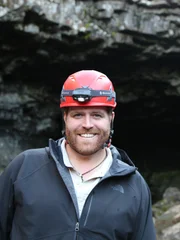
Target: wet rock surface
[{"x": 167, "y": 215}]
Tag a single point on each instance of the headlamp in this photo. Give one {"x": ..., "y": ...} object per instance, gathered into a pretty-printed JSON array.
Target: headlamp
[
  {"x": 85, "y": 94},
  {"x": 82, "y": 94}
]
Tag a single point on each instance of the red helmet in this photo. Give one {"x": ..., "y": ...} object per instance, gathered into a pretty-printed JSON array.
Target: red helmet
[{"x": 87, "y": 88}]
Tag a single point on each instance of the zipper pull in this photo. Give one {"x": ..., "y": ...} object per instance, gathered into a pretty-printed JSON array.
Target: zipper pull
[{"x": 77, "y": 227}]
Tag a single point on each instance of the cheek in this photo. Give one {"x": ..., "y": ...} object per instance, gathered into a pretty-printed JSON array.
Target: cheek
[
  {"x": 107, "y": 124},
  {"x": 104, "y": 127},
  {"x": 72, "y": 125}
]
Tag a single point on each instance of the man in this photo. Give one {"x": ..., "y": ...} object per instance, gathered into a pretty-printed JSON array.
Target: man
[{"x": 80, "y": 187}]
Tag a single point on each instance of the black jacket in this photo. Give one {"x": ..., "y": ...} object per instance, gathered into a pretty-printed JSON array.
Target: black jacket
[{"x": 38, "y": 201}]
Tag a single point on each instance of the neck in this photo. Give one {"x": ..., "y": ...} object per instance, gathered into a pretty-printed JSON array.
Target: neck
[{"x": 83, "y": 163}]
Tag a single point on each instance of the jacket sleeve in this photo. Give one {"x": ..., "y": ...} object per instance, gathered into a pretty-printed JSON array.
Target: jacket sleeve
[
  {"x": 7, "y": 205},
  {"x": 145, "y": 229}
]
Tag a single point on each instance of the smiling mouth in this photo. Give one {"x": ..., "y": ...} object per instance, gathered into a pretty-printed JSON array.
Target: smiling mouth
[{"x": 87, "y": 135}]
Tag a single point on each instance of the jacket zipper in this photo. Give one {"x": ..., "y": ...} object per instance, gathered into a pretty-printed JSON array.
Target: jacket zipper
[
  {"x": 77, "y": 227},
  {"x": 77, "y": 230}
]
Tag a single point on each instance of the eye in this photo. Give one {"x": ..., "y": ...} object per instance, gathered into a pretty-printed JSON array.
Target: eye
[
  {"x": 77, "y": 115},
  {"x": 97, "y": 115}
]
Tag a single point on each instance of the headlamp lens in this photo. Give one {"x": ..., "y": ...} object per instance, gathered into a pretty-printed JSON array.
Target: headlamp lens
[{"x": 82, "y": 94}]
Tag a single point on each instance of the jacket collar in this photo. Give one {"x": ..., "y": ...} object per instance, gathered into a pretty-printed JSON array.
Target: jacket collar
[{"x": 121, "y": 166}]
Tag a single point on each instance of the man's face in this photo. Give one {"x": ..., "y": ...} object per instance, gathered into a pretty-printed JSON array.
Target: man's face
[{"x": 87, "y": 128}]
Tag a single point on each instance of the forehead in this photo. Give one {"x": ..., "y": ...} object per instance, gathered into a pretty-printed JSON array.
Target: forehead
[{"x": 88, "y": 109}]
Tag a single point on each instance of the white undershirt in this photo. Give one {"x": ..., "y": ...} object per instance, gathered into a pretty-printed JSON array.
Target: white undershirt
[{"x": 83, "y": 188}]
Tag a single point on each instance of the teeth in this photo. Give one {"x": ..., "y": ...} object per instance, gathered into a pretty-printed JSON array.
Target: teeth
[{"x": 87, "y": 135}]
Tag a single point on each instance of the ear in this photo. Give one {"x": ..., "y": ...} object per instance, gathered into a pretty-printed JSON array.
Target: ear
[
  {"x": 113, "y": 115},
  {"x": 65, "y": 116}
]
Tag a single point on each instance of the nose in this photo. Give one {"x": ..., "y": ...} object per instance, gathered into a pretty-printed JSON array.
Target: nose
[{"x": 87, "y": 122}]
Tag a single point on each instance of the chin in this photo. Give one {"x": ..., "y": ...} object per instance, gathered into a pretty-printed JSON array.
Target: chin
[{"x": 88, "y": 150}]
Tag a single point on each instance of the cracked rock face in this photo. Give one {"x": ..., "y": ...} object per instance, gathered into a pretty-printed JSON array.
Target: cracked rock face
[{"x": 136, "y": 43}]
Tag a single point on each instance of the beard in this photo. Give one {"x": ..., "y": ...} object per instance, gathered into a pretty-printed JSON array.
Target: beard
[{"x": 87, "y": 146}]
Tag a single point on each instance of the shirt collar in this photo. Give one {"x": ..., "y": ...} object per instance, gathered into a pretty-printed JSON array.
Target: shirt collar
[
  {"x": 99, "y": 172},
  {"x": 66, "y": 160}
]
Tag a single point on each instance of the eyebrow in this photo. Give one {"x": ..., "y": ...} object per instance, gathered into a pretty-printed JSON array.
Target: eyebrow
[
  {"x": 102, "y": 113},
  {"x": 91, "y": 111}
]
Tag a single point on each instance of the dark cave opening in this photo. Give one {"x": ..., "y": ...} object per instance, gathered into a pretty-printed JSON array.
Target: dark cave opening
[{"x": 152, "y": 147}]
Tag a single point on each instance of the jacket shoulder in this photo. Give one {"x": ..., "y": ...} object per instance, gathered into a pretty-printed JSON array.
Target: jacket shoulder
[{"x": 27, "y": 162}]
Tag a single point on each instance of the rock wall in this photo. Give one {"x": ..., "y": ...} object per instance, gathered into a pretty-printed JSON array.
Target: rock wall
[
  {"x": 167, "y": 216},
  {"x": 136, "y": 43}
]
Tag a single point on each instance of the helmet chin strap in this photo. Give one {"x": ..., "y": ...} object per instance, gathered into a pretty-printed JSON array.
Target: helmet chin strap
[
  {"x": 63, "y": 129},
  {"x": 108, "y": 142},
  {"x": 63, "y": 133}
]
